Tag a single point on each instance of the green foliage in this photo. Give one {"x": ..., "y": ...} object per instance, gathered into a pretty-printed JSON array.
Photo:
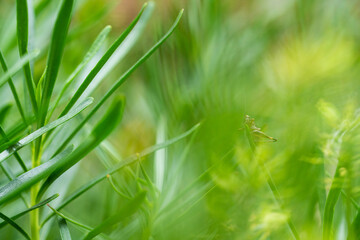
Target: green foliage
[
  {"x": 273, "y": 84},
  {"x": 39, "y": 133}
]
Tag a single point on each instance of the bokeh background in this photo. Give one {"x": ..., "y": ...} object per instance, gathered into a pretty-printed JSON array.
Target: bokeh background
[{"x": 292, "y": 65}]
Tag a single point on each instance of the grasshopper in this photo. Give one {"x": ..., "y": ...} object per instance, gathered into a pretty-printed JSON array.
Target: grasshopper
[{"x": 256, "y": 132}]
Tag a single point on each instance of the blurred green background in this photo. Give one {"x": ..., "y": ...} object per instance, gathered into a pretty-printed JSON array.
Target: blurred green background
[{"x": 292, "y": 65}]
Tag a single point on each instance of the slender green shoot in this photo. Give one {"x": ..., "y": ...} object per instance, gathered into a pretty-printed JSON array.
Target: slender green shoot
[
  {"x": 126, "y": 162},
  {"x": 15, "y": 225},
  {"x": 101, "y": 63},
  {"x": 33, "y": 136},
  {"x": 64, "y": 229},
  {"x": 13, "y": 89},
  {"x": 19, "y": 64},
  {"x": 40, "y": 204},
  {"x": 112, "y": 184},
  {"x": 22, "y": 17},
  {"x": 56, "y": 50},
  {"x": 77, "y": 223},
  {"x": 16, "y": 154},
  {"x": 120, "y": 81},
  {"x": 95, "y": 47}
]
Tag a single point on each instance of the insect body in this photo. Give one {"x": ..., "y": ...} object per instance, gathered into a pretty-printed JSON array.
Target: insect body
[{"x": 256, "y": 132}]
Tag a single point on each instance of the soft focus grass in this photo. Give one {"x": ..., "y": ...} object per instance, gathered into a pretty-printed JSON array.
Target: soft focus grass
[{"x": 291, "y": 65}]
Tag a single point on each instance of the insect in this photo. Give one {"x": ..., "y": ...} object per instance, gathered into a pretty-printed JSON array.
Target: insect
[{"x": 256, "y": 132}]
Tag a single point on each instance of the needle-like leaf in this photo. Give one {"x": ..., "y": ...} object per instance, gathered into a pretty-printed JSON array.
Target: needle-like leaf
[
  {"x": 26, "y": 180},
  {"x": 56, "y": 50},
  {"x": 19, "y": 64},
  {"x": 102, "y": 62},
  {"x": 89, "y": 55},
  {"x": 121, "y": 80},
  {"x": 46, "y": 201},
  {"x": 33, "y": 136},
  {"x": 126, "y": 162},
  {"x": 17, "y": 156},
  {"x": 22, "y": 15},
  {"x": 99, "y": 133},
  {"x": 12, "y": 88},
  {"x": 15, "y": 225},
  {"x": 13, "y": 133},
  {"x": 64, "y": 229},
  {"x": 69, "y": 219},
  {"x": 4, "y": 111}
]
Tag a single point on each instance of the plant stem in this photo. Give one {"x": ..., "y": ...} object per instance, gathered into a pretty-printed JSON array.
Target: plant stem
[{"x": 34, "y": 215}]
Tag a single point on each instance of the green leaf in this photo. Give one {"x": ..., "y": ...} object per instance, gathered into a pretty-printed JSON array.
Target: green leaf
[
  {"x": 31, "y": 137},
  {"x": 121, "y": 80},
  {"x": 89, "y": 55},
  {"x": 26, "y": 180},
  {"x": 5, "y": 137},
  {"x": 17, "y": 156},
  {"x": 126, "y": 162},
  {"x": 15, "y": 225},
  {"x": 101, "y": 63},
  {"x": 22, "y": 25},
  {"x": 22, "y": 17},
  {"x": 13, "y": 134},
  {"x": 99, "y": 133},
  {"x": 125, "y": 212},
  {"x": 12, "y": 88},
  {"x": 19, "y": 64},
  {"x": 46, "y": 201},
  {"x": 39, "y": 87},
  {"x": 69, "y": 219},
  {"x": 9, "y": 174},
  {"x": 64, "y": 230},
  {"x": 120, "y": 53},
  {"x": 4, "y": 111},
  {"x": 56, "y": 50}
]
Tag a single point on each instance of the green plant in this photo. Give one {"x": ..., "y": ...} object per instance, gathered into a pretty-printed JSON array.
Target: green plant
[
  {"x": 292, "y": 66},
  {"x": 39, "y": 132}
]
